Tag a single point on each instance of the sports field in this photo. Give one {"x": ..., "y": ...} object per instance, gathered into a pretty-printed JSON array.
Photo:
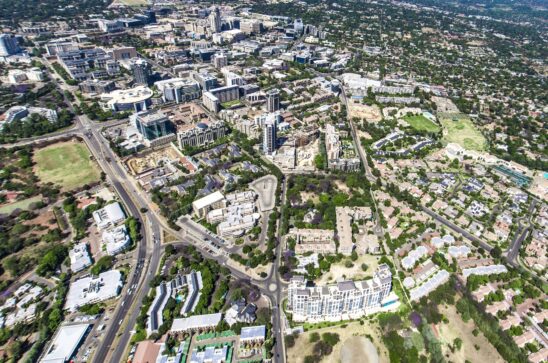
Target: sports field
[
  {"x": 421, "y": 123},
  {"x": 132, "y": 2},
  {"x": 66, "y": 164},
  {"x": 459, "y": 129}
]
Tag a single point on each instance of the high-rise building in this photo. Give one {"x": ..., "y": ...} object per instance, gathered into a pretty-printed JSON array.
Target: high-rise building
[
  {"x": 250, "y": 26},
  {"x": 342, "y": 301},
  {"x": 233, "y": 79},
  {"x": 142, "y": 72},
  {"x": 220, "y": 60},
  {"x": 179, "y": 89},
  {"x": 8, "y": 45},
  {"x": 269, "y": 137},
  {"x": 152, "y": 124},
  {"x": 298, "y": 26},
  {"x": 273, "y": 100},
  {"x": 215, "y": 20},
  {"x": 206, "y": 81}
]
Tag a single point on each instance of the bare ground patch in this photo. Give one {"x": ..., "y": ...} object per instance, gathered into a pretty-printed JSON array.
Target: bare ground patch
[{"x": 457, "y": 328}]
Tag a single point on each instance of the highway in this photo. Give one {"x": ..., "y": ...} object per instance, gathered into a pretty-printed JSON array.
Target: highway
[
  {"x": 149, "y": 250},
  {"x": 113, "y": 346}
]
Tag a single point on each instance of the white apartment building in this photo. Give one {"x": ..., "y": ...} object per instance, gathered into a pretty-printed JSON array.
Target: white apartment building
[{"x": 342, "y": 301}]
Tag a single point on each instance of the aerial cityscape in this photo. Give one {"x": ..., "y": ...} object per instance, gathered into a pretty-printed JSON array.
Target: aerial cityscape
[{"x": 300, "y": 181}]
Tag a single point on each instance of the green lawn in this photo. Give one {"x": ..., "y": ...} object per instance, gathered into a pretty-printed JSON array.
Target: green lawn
[
  {"x": 230, "y": 103},
  {"x": 66, "y": 164},
  {"x": 21, "y": 204},
  {"x": 421, "y": 123},
  {"x": 459, "y": 129},
  {"x": 133, "y": 2}
]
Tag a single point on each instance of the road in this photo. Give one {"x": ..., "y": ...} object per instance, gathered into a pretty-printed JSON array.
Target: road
[
  {"x": 148, "y": 252},
  {"x": 117, "y": 335},
  {"x": 521, "y": 235}
]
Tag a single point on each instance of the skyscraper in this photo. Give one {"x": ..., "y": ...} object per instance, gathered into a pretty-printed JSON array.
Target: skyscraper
[
  {"x": 215, "y": 20},
  {"x": 269, "y": 137},
  {"x": 298, "y": 26},
  {"x": 8, "y": 45},
  {"x": 220, "y": 60},
  {"x": 141, "y": 72},
  {"x": 273, "y": 100}
]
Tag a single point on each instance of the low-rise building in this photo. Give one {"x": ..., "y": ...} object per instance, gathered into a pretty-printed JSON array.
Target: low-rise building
[
  {"x": 93, "y": 289},
  {"x": 313, "y": 240},
  {"x": 211, "y": 201},
  {"x": 108, "y": 216},
  {"x": 65, "y": 343},
  {"x": 116, "y": 240},
  {"x": 133, "y": 99},
  {"x": 195, "y": 323},
  {"x": 79, "y": 257}
]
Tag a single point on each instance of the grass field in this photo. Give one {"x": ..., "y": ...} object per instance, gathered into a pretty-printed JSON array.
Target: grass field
[
  {"x": 421, "y": 123},
  {"x": 66, "y": 164},
  {"x": 21, "y": 204},
  {"x": 132, "y": 2},
  {"x": 459, "y": 129}
]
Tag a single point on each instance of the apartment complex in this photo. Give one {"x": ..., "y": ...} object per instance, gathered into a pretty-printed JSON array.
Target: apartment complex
[
  {"x": 342, "y": 301},
  {"x": 335, "y": 149},
  {"x": 313, "y": 240}
]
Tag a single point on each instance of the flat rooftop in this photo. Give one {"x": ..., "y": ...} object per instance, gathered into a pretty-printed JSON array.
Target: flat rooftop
[{"x": 64, "y": 343}]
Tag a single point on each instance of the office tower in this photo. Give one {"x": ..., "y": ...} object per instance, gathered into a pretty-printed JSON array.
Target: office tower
[
  {"x": 8, "y": 45},
  {"x": 233, "y": 79},
  {"x": 215, "y": 20},
  {"x": 220, "y": 60},
  {"x": 179, "y": 90},
  {"x": 298, "y": 26},
  {"x": 151, "y": 15},
  {"x": 152, "y": 124},
  {"x": 269, "y": 137},
  {"x": 141, "y": 72},
  {"x": 273, "y": 100}
]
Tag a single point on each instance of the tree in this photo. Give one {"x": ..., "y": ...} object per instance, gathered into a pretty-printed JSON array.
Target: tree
[
  {"x": 496, "y": 252},
  {"x": 52, "y": 260},
  {"x": 105, "y": 263},
  {"x": 290, "y": 341}
]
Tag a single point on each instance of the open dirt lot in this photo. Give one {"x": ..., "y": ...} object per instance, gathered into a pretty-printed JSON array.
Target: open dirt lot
[
  {"x": 361, "y": 111},
  {"x": 66, "y": 164},
  {"x": 361, "y": 347},
  {"x": 458, "y": 328},
  {"x": 303, "y": 347},
  {"x": 338, "y": 270}
]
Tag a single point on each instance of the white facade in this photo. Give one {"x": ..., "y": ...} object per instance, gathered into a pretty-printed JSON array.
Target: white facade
[
  {"x": 108, "y": 216},
  {"x": 345, "y": 300},
  {"x": 91, "y": 290},
  {"x": 116, "y": 240},
  {"x": 79, "y": 257}
]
